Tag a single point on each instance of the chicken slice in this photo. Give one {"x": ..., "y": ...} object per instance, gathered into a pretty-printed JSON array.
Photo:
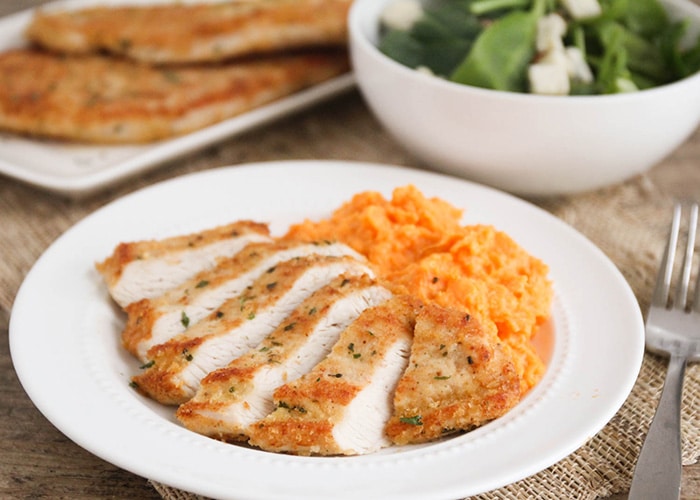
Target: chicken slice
[
  {"x": 343, "y": 404},
  {"x": 458, "y": 377},
  {"x": 182, "y": 32},
  {"x": 146, "y": 269},
  {"x": 175, "y": 368},
  {"x": 232, "y": 398},
  {"x": 154, "y": 321}
]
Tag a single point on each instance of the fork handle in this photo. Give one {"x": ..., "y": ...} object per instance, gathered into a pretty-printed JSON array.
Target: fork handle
[{"x": 658, "y": 471}]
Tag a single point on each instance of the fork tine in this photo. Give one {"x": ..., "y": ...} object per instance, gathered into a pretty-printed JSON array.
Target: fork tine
[
  {"x": 695, "y": 215},
  {"x": 682, "y": 292},
  {"x": 663, "y": 280}
]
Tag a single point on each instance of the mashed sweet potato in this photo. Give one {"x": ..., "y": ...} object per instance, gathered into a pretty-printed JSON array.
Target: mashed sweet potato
[{"x": 419, "y": 246}]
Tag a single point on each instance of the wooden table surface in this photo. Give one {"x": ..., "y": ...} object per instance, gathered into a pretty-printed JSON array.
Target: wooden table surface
[{"x": 37, "y": 461}]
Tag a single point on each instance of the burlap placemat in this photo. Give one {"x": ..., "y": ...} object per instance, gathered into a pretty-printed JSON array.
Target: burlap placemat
[{"x": 629, "y": 223}]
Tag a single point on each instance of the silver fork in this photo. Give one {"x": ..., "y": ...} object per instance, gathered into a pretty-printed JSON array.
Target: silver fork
[{"x": 673, "y": 330}]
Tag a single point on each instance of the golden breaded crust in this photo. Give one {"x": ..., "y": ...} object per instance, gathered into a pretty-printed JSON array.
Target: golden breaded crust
[
  {"x": 311, "y": 407},
  {"x": 98, "y": 99},
  {"x": 231, "y": 320},
  {"x": 126, "y": 252},
  {"x": 188, "y": 33},
  {"x": 458, "y": 378},
  {"x": 235, "y": 383}
]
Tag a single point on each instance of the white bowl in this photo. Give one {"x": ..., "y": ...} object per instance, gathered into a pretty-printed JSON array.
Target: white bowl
[{"x": 522, "y": 143}]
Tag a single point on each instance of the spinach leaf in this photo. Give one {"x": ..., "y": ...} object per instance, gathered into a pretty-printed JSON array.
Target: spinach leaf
[
  {"x": 642, "y": 55},
  {"x": 691, "y": 60},
  {"x": 612, "y": 68},
  {"x": 500, "y": 55},
  {"x": 402, "y": 47},
  {"x": 450, "y": 19},
  {"x": 683, "y": 60},
  {"x": 443, "y": 56},
  {"x": 481, "y": 7},
  {"x": 646, "y": 17},
  {"x": 645, "y": 57},
  {"x": 439, "y": 40}
]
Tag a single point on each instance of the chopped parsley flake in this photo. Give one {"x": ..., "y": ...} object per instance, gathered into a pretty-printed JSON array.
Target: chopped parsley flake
[
  {"x": 414, "y": 420},
  {"x": 171, "y": 76},
  {"x": 284, "y": 405}
]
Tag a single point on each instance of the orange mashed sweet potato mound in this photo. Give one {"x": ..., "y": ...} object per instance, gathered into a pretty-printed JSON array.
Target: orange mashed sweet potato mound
[{"x": 418, "y": 245}]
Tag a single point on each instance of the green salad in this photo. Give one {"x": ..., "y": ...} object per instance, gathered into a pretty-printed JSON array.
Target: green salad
[{"x": 556, "y": 47}]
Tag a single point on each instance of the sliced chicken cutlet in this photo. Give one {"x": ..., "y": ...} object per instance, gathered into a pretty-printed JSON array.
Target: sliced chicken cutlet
[
  {"x": 175, "y": 368},
  {"x": 181, "y": 32},
  {"x": 146, "y": 269},
  {"x": 98, "y": 99},
  {"x": 343, "y": 404},
  {"x": 232, "y": 398},
  {"x": 458, "y": 378},
  {"x": 154, "y": 321}
]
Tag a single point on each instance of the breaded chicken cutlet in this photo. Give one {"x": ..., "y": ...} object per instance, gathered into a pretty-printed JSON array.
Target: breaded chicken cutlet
[
  {"x": 297, "y": 347},
  {"x": 147, "y": 269},
  {"x": 180, "y": 33},
  {"x": 155, "y": 320},
  {"x": 98, "y": 99},
  {"x": 232, "y": 398},
  {"x": 457, "y": 379}
]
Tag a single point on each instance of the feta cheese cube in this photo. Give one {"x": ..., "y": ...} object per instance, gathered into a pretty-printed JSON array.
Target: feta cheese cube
[
  {"x": 550, "y": 31},
  {"x": 548, "y": 78},
  {"x": 577, "y": 66},
  {"x": 425, "y": 70},
  {"x": 402, "y": 14},
  {"x": 625, "y": 85},
  {"x": 582, "y": 9},
  {"x": 557, "y": 57}
]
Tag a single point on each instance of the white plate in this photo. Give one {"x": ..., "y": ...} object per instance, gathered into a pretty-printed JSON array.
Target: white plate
[
  {"x": 64, "y": 339},
  {"x": 78, "y": 169}
]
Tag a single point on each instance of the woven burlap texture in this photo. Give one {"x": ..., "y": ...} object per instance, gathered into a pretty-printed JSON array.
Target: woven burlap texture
[{"x": 629, "y": 223}]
